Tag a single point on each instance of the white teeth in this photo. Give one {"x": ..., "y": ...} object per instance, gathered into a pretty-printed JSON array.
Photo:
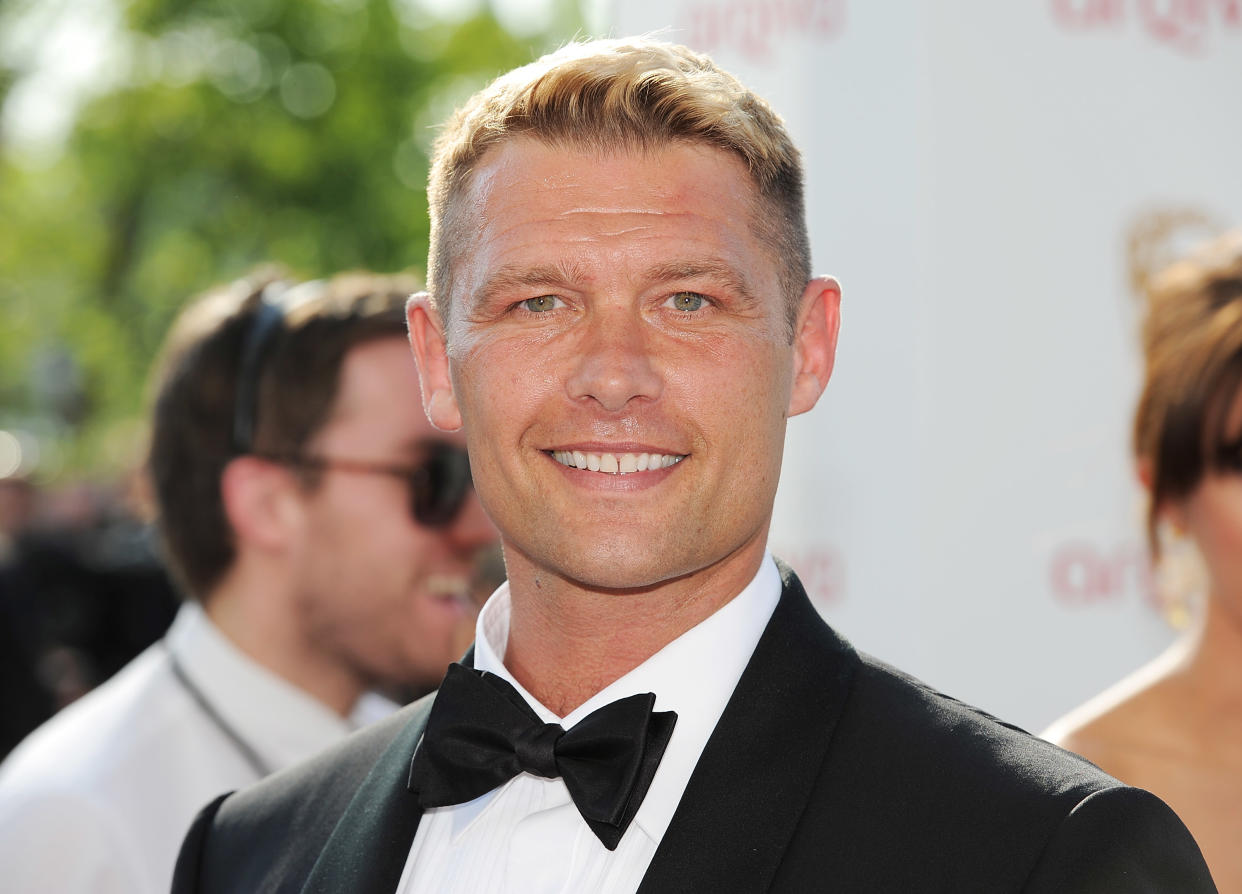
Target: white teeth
[{"x": 616, "y": 463}]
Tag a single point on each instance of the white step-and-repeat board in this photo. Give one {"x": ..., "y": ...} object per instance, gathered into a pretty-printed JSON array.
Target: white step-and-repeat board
[{"x": 989, "y": 181}]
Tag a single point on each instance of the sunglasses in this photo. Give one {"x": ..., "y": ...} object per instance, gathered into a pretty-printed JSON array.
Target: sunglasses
[{"x": 438, "y": 484}]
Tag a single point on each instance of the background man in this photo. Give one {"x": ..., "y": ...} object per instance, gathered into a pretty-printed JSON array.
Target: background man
[
  {"x": 325, "y": 533},
  {"x": 623, "y": 318}
]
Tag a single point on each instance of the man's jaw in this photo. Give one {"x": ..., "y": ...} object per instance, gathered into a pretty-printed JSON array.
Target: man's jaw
[{"x": 615, "y": 463}]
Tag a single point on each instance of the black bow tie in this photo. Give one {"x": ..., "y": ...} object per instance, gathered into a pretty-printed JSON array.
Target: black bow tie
[{"x": 481, "y": 733}]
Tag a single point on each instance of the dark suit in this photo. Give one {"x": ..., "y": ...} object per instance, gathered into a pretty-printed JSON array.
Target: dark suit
[{"x": 828, "y": 771}]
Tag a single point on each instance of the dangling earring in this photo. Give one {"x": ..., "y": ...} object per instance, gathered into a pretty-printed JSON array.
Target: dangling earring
[{"x": 1180, "y": 576}]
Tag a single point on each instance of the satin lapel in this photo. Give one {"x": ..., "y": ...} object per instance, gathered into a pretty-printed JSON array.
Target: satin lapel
[
  {"x": 370, "y": 844},
  {"x": 751, "y": 785},
  {"x": 368, "y": 848}
]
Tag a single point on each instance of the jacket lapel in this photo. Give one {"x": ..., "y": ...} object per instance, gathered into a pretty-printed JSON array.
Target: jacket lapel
[
  {"x": 369, "y": 846},
  {"x": 749, "y": 788},
  {"x": 368, "y": 849}
]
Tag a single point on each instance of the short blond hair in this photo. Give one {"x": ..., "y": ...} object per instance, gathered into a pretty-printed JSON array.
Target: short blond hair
[{"x": 616, "y": 94}]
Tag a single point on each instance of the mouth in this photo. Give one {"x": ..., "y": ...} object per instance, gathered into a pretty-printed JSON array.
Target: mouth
[
  {"x": 615, "y": 463},
  {"x": 447, "y": 588}
]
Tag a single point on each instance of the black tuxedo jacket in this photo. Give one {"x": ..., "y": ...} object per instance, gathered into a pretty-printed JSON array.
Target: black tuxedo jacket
[{"x": 828, "y": 771}]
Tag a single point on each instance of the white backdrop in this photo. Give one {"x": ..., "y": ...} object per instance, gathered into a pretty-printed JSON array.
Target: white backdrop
[{"x": 986, "y": 179}]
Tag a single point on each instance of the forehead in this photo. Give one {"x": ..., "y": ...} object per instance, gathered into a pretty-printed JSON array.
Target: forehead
[
  {"x": 377, "y": 398},
  {"x": 619, "y": 206}
]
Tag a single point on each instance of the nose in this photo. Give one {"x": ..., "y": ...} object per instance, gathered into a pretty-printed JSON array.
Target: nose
[{"x": 615, "y": 361}]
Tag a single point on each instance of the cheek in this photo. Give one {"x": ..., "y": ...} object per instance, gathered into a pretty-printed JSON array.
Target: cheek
[
  {"x": 495, "y": 381},
  {"x": 1225, "y": 531},
  {"x": 1216, "y": 523},
  {"x": 753, "y": 385}
]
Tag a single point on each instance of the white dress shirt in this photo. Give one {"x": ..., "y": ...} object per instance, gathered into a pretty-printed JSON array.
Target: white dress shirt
[
  {"x": 527, "y": 836},
  {"x": 99, "y": 798}
]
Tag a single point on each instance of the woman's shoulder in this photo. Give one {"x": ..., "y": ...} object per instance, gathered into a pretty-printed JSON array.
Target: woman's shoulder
[{"x": 1125, "y": 726}]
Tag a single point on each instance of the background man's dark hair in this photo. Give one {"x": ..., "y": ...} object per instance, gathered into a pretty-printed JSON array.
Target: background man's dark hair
[{"x": 192, "y": 437}]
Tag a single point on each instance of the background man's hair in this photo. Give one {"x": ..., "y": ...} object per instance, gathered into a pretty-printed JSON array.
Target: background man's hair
[
  {"x": 196, "y": 382},
  {"x": 1192, "y": 351},
  {"x": 609, "y": 95}
]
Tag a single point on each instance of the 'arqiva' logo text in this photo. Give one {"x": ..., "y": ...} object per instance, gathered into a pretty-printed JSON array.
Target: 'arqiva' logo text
[
  {"x": 756, "y": 27},
  {"x": 1184, "y": 25}
]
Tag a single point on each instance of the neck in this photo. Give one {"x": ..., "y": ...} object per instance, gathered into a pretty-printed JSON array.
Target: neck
[
  {"x": 568, "y": 641},
  {"x": 1204, "y": 673},
  {"x": 259, "y": 617},
  {"x": 1214, "y": 659}
]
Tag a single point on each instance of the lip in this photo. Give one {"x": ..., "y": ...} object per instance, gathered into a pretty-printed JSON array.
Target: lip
[{"x": 627, "y": 447}]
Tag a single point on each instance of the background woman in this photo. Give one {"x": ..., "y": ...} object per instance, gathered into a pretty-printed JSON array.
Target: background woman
[{"x": 1174, "y": 727}]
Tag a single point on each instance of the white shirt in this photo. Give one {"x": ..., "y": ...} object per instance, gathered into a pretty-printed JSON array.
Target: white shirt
[
  {"x": 527, "y": 836},
  {"x": 99, "y": 798}
]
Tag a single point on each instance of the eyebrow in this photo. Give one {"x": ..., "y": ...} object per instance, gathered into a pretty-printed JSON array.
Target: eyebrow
[
  {"x": 715, "y": 270},
  {"x": 510, "y": 278},
  {"x": 566, "y": 275}
]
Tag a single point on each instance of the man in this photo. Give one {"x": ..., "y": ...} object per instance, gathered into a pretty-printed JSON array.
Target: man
[
  {"x": 621, "y": 315},
  {"x": 325, "y": 533}
]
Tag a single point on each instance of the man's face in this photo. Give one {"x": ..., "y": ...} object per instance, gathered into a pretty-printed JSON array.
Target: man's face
[
  {"x": 618, "y": 311},
  {"x": 379, "y": 594}
]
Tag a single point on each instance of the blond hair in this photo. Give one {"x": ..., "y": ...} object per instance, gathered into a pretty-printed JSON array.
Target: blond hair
[{"x": 609, "y": 95}]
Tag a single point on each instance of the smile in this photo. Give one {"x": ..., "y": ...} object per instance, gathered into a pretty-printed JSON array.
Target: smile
[{"x": 616, "y": 463}]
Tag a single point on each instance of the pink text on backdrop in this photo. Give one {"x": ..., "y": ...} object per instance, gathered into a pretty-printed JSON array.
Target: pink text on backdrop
[
  {"x": 821, "y": 568},
  {"x": 757, "y": 27},
  {"x": 1083, "y": 573},
  {"x": 1185, "y": 25}
]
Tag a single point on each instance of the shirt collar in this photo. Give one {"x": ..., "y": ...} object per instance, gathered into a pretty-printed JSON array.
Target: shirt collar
[
  {"x": 694, "y": 675},
  {"x": 281, "y": 722}
]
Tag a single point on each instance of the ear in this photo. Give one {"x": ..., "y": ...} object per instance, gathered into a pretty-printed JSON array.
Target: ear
[
  {"x": 261, "y": 503},
  {"x": 815, "y": 342},
  {"x": 431, "y": 357}
]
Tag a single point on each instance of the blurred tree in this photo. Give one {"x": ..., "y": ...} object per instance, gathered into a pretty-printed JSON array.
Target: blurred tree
[{"x": 235, "y": 132}]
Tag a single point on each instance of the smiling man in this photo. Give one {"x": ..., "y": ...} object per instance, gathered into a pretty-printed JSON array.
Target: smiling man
[
  {"x": 621, "y": 317},
  {"x": 325, "y": 535}
]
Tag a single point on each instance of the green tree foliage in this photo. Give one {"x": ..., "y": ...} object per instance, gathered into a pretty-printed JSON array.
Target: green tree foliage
[{"x": 243, "y": 131}]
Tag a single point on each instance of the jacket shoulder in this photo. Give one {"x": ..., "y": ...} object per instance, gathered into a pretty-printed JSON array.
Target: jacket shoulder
[
  {"x": 954, "y": 797},
  {"x": 933, "y": 731},
  {"x": 268, "y": 836}
]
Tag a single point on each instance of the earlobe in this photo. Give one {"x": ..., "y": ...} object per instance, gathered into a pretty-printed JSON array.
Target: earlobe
[
  {"x": 431, "y": 358},
  {"x": 815, "y": 342}
]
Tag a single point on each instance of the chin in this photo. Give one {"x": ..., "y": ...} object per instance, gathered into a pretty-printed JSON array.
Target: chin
[{"x": 619, "y": 575}]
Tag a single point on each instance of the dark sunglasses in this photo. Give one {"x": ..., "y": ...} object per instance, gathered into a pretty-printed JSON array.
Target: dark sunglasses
[{"x": 438, "y": 484}]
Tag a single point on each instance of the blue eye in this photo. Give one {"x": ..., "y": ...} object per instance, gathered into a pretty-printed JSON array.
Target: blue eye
[
  {"x": 686, "y": 301},
  {"x": 541, "y": 304}
]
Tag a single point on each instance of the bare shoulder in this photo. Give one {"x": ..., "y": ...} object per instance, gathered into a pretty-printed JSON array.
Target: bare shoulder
[{"x": 1135, "y": 716}]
